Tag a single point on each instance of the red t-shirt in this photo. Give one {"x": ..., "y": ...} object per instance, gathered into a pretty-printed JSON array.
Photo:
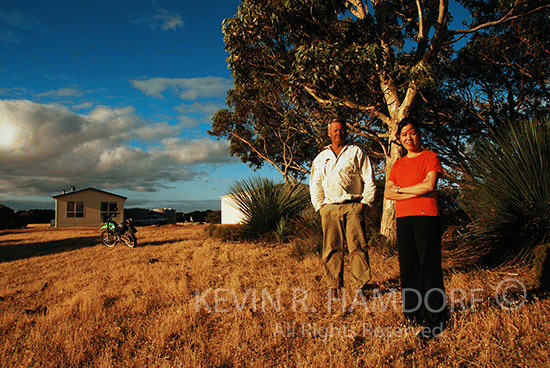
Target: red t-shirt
[{"x": 409, "y": 171}]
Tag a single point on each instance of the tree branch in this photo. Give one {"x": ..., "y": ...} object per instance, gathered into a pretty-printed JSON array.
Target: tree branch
[
  {"x": 324, "y": 101},
  {"x": 508, "y": 17},
  {"x": 357, "y": 8}
]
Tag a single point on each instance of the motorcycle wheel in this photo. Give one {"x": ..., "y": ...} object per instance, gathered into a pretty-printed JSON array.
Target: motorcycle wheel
[
  {"x": 108, "y": 239},
  {"x": 129, "y": 239}
]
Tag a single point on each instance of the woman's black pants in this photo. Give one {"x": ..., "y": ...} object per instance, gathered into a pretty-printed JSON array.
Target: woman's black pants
[{"x": 422, "y": 288}]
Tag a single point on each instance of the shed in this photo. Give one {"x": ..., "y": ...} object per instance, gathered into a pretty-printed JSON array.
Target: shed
[
  {"x": 231, "y": 213},
  {"x": 87, "y": 207}
]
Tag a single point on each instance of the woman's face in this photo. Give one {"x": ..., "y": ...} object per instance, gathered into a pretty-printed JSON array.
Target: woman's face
[{"x": 409, "y": 138}]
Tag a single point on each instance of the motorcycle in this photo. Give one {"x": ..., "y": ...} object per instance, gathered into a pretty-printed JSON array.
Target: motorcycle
[{"x": 112, "y": 233}]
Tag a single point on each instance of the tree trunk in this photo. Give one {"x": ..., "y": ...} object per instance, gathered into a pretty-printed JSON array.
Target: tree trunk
[{"x": 388, "y": 226}]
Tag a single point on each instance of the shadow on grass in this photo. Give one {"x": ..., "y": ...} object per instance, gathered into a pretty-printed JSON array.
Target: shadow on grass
[
  {"x": 13, "y": 252},
  {"x": 543, "y": 290},
  {"x": 161, "y": 242}
]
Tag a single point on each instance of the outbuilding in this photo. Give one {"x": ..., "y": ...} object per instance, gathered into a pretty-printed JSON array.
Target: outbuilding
[
  {"x": 87, "y": 207},
  {"x": 231, "y": 213}
]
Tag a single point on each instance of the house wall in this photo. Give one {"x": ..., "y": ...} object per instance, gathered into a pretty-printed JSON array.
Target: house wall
[
  {"x": 231, "y": 214},
  {"x": 91, "y": 199}
]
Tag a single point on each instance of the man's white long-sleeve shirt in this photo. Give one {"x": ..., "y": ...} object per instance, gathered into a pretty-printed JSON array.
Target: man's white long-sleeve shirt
[{"x": 342, "y": 178}]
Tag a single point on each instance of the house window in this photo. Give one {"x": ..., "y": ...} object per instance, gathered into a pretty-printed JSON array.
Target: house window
[
  {"x": 107, "y": 208},
  {"x": 75, "y": 209}
]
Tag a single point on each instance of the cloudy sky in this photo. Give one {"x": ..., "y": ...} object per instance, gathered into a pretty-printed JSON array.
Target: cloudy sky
[{"x": 115, "y": 95}]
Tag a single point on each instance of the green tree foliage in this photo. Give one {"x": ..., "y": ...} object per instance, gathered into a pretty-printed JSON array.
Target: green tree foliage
[
  {"x": 509, "y": 193},
  {"x": 296, "y": 63},
  {"x": 36, "y": 216},
  {"x": 9, "y": 219},
  {"x": 268, "y": 207},
  {"x": 214, "y": 217},
  {"x": 502, "y": 74}
]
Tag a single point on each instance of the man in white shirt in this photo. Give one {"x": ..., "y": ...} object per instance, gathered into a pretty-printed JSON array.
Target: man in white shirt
[{"x": 341, "y": 185}]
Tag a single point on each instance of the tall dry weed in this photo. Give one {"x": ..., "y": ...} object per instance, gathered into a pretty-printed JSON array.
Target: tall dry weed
[{"x": 183, "y": 299}]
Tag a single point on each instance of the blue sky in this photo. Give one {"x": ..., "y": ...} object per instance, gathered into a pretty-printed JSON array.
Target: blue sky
[{"x": 115, "y": 95}]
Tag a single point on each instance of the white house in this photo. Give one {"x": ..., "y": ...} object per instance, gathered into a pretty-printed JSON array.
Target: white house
[{"x": 87, "y": 207}]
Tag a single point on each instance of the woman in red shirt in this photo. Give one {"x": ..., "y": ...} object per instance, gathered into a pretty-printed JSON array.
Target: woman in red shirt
[{"x": 412, "y": 184}]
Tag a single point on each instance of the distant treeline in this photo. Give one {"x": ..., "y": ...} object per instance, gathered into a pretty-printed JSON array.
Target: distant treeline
[
  {"x": 200, "y": 216},
  {"x": 195, "y": 216},
  {"x": 37, "y": 216},
  {"x": 9, "y": 219}
]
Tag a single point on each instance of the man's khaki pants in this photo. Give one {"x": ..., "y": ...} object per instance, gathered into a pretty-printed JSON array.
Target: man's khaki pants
[{"x": 344, "y": 221}]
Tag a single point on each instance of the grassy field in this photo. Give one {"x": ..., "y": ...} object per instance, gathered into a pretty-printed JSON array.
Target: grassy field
[{"x": 183, "y": 299}]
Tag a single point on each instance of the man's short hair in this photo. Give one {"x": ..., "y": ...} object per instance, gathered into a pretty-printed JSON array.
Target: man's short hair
[{"x": 337, "y": 120}]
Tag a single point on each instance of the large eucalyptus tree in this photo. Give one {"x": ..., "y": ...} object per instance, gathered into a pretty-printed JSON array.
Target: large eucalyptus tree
[{"x": 294, "y": 63}]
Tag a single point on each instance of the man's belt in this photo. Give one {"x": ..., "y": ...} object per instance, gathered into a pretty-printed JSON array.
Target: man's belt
[{"x": 356, "y": 200}]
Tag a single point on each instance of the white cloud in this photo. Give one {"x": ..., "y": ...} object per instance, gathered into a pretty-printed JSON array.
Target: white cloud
[
  {"x": 158, "y": 131},
  {"x": 19, "y": 20},
  {"x": 48, "y": 147},
  {"x": 166, "y": 19},
  {"x": 203, "y": 150},
  {"x": 187, "y": 121},
  {"x": 8, "y": 36},
  {"x": 185, "y": 88},
  {"x": 15, "y": 26},
  {"x": 83, "y": 106},
  {"x": 16, "y": 91},
  {"x": 169, "y": 20},
  {"x": 63, "y": 92},
  {"x": 208, "y": 109},
  {"x": 202, "y": 112},
  {"x": 35, "y": 132}
]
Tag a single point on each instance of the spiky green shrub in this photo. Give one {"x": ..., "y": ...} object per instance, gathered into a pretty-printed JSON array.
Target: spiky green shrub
[
  {"x": 269, "y": 207},
  {"x": 509, "y": 192}
]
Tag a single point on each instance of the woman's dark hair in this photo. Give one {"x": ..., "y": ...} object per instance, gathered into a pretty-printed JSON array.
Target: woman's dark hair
[{"x": 406, "y": 122}]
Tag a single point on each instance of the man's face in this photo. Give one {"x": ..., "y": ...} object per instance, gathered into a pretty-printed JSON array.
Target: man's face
[{"x": 337, "y": 133}]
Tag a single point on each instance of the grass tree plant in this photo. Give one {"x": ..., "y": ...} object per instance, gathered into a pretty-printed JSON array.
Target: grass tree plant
[
  {"x": 269, "y": 207},
  {"x": 508, "y": 193}
]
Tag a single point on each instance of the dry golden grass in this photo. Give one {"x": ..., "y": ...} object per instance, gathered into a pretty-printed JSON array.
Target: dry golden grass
[{"x": 182, "y": 299}]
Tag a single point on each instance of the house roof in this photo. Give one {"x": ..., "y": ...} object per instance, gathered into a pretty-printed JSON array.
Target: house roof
[{"x": 83, "y": 190}]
